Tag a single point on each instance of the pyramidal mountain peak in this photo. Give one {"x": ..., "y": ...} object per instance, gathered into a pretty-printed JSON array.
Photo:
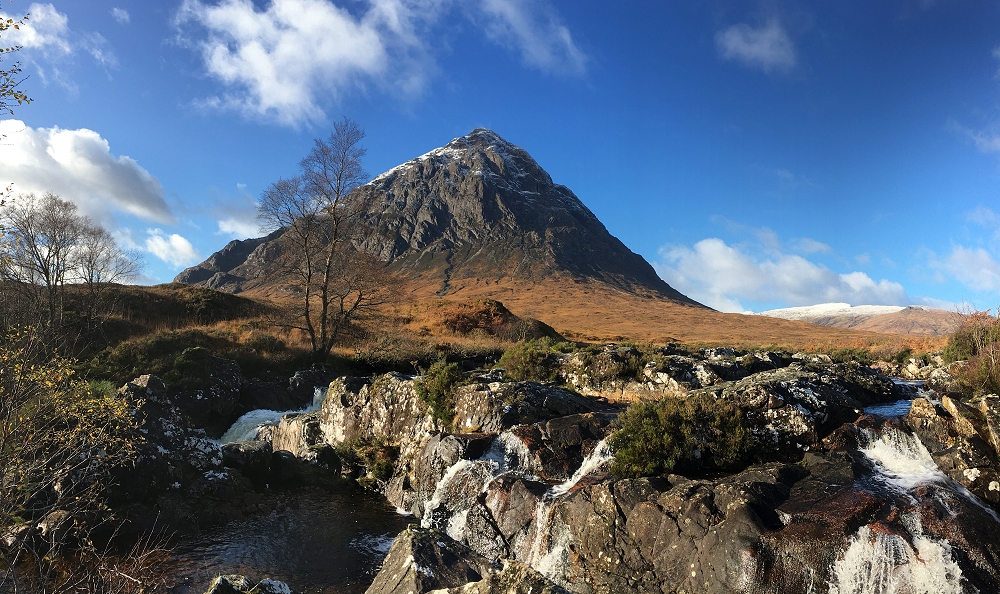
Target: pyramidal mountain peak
[{"x": 479, "y": 209}]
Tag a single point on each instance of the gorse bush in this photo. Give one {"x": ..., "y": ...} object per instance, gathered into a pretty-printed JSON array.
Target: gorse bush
[
  {"x": 697, "y": 434},
  {"x": 437, "y": 389}
]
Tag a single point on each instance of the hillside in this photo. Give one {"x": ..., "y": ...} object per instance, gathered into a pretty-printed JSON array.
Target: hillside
[{"x": 918, "y": 320}]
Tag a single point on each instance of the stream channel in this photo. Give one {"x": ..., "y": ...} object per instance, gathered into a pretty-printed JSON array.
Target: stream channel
[
  {"x": 335, "y": 542},
  {"x": 315, "y": 541}
]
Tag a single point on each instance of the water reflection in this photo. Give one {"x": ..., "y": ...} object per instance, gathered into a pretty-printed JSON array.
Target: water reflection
[{"x": 331, "y": 543}]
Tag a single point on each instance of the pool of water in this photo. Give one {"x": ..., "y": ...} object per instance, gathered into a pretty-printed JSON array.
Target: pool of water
[{"x": 330, "y": 543}]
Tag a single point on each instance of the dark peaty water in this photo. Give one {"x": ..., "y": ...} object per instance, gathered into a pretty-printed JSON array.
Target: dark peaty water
[{"x": 332, "y": 543}]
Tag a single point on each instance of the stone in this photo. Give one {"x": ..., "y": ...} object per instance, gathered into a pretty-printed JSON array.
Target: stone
[
  {"x": 425, "y": 560},
  {"x": 251, "y": 458}
]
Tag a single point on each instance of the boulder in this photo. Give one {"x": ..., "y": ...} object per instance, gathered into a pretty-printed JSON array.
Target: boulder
[
  {"x": 425, "y": 560},
  {"x": 251, "y": 458},
  {"x": 497, "y": 406},
  {"x": 240, "y": 584}
]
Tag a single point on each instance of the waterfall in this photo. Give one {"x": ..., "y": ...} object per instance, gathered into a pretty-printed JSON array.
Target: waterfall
[
  {"x": 550, "y": 556},
  {"x": 246, "y": 427},
  {"x": 880, "y": 562},
  {"x": 464, "y": 480}
]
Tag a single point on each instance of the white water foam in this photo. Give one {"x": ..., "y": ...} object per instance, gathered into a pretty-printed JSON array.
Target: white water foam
[
  {"x": 901, "y": 459},
  {"x": 550, "y": 556},
  {"x": 464, "y": 480},
  {"x": 880, "y": 563},
  {"x": 246, "y": 427}
]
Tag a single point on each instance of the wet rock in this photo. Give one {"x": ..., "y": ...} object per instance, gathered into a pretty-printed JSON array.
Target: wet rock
[
  {"x": 240, "y": 584},
  {"x": 425, "y": 560},
  {"x": 288, "y": 471},
  {"x": 498, "y": 406},
  {"x": 229, "y": 584},
  {"x": 298, "y": 432},
  {"x": 302, "y": 385},
  {"x": 251, "y": 458},
  {"x": 514, "y": 578},
  {"x": 791, "y": 408},
  {"x": 386, "y": 409},
  {"x": 214, "y": 406},
  {"x": 437, "y": 454},
  {"x": 942, "y": 379}
]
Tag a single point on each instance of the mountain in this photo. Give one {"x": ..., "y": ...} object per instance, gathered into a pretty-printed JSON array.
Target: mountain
[
  {"x": 915, "y": 319},
  {"x": 478, "y": 210}
]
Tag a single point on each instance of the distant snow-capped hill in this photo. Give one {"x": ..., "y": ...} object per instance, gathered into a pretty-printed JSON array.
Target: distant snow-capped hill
[{"x": 894, "y": 319}]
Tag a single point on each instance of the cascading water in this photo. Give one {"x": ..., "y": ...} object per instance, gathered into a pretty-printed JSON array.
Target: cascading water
[
  {"x": 464, "y": 480},
  {"x": 549, "y": 556},
  {"x": 879, "y": 561},
  {"x": 246, "y": 427}
]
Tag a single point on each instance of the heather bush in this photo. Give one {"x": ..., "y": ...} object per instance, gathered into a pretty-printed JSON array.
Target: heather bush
[{"x": 697, "y": 434}]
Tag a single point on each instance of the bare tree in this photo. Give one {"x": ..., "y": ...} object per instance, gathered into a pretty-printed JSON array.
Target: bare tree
[
  {"x": 48, "y": 244},
  {"x": 10, "y": 78},
  {"x": 100, "y": 263},
  {"x": 39, "y": 249},
  {"x": 321, "y": 218}
]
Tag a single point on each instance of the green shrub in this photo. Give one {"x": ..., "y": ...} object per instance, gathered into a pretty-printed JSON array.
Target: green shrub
[
  {"x": 849, "y": 354},
  {"x": 529, "y": 361},
  {"x": 377, "y": 457},
  {"x": 696, "y": 434},
  {"x": 437, "y": 389}
]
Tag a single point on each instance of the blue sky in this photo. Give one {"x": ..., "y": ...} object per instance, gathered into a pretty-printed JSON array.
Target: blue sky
[{"x": 759, "y": 154}]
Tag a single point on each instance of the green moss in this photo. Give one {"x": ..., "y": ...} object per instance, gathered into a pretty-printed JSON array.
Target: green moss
[{"x": 696, "y": 434}]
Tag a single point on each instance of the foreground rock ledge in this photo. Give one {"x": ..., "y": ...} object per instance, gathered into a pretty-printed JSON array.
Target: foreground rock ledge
[{"x": 427, "y": 560}]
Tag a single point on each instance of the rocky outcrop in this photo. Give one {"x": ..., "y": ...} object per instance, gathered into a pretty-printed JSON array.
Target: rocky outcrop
[
  {"x": 962, "y": 439},
  {"x": 426, "y": 560},
  {"x": 214, "y": 270}
]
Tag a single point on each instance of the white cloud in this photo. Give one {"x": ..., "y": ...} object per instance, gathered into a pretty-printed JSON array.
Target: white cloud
[
  {"x": 767, "y": 47},
  {"x": 46, "y": 30},
  {"x": 121, "y": 15},
  {"x": 534, "y": 29},
  {"x": 172, "y": 249},
  {"x": 973, "y": 267},
  {"x": 723, "y": 276},
  {"x": 48, "y": 43},
  {"x": 239, "y": 228},
  {"x": 78, "y": 166},
  {"x": 289, "y": 58}
]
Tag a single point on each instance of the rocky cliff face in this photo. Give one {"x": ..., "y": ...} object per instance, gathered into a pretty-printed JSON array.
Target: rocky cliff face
[{"x": 479, "y": 207}]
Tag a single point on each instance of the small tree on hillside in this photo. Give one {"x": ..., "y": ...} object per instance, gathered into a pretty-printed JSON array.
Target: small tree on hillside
[
  {"x": 47, "y": 245},
  {"x": 321, "y": 217}
]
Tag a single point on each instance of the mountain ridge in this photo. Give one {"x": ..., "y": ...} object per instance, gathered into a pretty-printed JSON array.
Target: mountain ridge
[{"x": 477, "y": 208}]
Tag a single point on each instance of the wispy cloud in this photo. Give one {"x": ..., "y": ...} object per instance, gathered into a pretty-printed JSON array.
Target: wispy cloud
[
  {"x": 973, "y": 267},
  {"x": 289, "y": 59},
  {"x": 724, "y": 276},
  {"x": 80, "y": 167},
  {"x": 49, "y": 44},
  {"x": 120, "y": 15},
  {"x": 536, "y": 31},
  {"x": 767, "y": 47}
]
